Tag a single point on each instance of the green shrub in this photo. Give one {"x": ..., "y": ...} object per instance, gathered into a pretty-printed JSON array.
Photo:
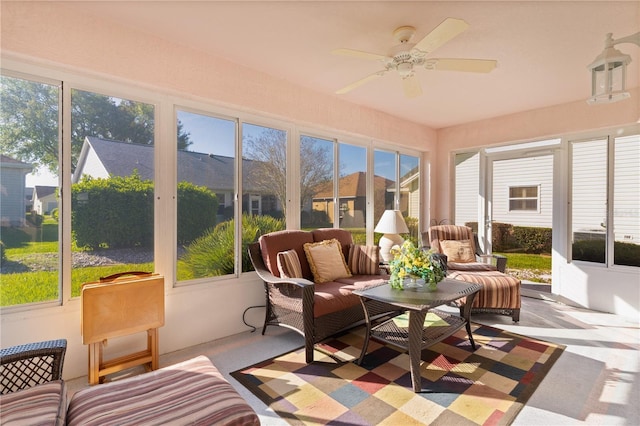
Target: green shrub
[
  {"x": 533, "y": 239},
  {"x": 626, "y": 254},
  {"x": 35, "y": 218},
  {"x": 113, "y": 212},
  {"x": 197, "y": 209},
  {"x": 594, "y": 251},
  {"x": 3, "y": 255},
  {"x": 589, "y": 250},
  {"x": 212, "y": 254},
  {"x": 118, "y": 212},
  {"x": 55, "y": 213}
]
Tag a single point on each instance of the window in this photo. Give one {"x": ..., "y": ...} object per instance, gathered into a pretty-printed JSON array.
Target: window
[
  {"x": 112, "y": 191},
  {"x": 467, "y": 185},
  {"x": 603, "y": 232},
  {"x": 29, "y": 205},
  {"x": 317, "y": 189},
  {"x": 523, "y": 198},
  {"x": 410, "y": 193},
  {"x": 397, "y": 187},
  {"x": 352, "y": 188},
  {"x": 206, "y": 170},
  {"x": 264, "y": 183},
  {"x": 626, "y": 201}
]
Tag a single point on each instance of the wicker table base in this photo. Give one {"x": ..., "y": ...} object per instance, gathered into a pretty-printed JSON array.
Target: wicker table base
[{"x": 418, "y": 302}]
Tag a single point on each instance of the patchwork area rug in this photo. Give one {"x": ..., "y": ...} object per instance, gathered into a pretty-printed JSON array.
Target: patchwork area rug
[{"x": 488, "y": 386}]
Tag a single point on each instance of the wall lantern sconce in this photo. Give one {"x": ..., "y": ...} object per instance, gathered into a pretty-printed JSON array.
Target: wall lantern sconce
[{"x": 609, "y": 71}]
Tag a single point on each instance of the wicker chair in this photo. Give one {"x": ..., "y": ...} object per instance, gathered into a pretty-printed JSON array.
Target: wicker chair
[
  {"x": 31, "y": 387},
  {"x": 439, "y": 233},
  {"x": 25, "y": 366},
  {"x": 500, "y": 293}
]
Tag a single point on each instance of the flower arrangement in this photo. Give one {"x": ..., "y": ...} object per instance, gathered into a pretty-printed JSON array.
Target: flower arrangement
[{"x": 410, "y": 261}]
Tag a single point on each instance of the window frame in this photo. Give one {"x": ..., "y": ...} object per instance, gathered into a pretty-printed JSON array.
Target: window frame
[{"x": 524, "y": 210}]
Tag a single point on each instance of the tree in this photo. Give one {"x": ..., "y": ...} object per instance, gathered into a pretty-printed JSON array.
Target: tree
[
  {"x": 29, "y": 122},
  {"x": 267, "y": 171},
  {"x": 29, "y": 117}
]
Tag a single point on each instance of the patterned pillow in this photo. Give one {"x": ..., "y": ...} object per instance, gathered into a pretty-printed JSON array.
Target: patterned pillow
[
  {"x": 458, "y": 251},
  {"x": 289, "y": 264},
  {"x": 364, "y": 260},
  {"x": 326, "y": 260}
]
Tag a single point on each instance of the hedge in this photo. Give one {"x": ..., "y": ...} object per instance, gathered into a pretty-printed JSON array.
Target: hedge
[{"x": 117, "y": 212}]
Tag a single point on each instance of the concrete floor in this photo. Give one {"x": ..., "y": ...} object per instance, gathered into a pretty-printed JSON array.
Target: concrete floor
[{"x": 595, "y": 381}]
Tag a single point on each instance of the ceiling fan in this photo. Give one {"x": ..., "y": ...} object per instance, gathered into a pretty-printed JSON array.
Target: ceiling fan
[{"x": 406, "y": 57}]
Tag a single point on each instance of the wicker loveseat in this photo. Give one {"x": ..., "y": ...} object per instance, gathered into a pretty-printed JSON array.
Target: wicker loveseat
[
  {"x": 189, "y": 392},
  {"x": 315, "y": 310}
]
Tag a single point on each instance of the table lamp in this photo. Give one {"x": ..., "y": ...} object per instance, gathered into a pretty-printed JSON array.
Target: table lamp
[{"x": 391, "y": 224}]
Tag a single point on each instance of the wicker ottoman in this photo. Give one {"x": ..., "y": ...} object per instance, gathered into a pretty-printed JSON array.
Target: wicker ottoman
[{"x": 500, "y": 293}]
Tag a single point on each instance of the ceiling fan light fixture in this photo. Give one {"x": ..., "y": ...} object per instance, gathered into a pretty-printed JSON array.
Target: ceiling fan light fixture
[{"x": 405, "y": 69}]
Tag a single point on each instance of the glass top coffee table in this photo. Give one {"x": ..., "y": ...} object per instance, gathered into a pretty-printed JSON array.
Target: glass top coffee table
[{"x": 418, "y": 301}]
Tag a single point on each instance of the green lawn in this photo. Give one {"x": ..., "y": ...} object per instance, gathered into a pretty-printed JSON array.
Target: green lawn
[
  {"x": 42, "y": 286},
  {"x": 536, "y": 262}
]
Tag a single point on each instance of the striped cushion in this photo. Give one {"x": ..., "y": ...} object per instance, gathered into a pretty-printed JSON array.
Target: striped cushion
[
  {"x": 499, "y": 291},
  {"x": 364, "y": 260},
  {"x": 289, "y": 264},
  {"x": 191, "y": 392},
  {"x": 44, "y": 404}
]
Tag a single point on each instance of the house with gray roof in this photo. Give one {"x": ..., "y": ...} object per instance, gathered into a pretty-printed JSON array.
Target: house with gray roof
[
  {"x": 44, "y": 199},
  {"x": 13, "y": 190},
  {"x": 102, "y": 158}
]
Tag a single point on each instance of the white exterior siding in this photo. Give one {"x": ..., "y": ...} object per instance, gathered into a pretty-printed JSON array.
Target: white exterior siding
[
  {"x": 466, "y": 187},
  {"x": 626, "y": 197},
  {"x": 531, "y": 171},
  {"x": 589, "y": 185}
]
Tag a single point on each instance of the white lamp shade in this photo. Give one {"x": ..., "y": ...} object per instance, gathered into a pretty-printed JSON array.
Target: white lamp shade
[{"x": 391, "y": 222}]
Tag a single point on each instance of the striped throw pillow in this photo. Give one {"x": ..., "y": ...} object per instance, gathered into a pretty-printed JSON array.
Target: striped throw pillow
[
  {"x": 289, "y": 264},
  {"x": 364, "y": 260}
]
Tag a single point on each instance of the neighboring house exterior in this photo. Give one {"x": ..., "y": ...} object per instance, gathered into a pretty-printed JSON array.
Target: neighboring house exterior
[
  {"x": 44, "y": 199},
  {"x": 523, "y": 194},
  {"x": 352, "y": 198},
  {"x": 13, "y": 191},
  {"x": 101, "y": 158}
]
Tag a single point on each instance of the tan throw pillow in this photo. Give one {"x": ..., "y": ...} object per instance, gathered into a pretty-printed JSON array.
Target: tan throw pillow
[
  {"x": 289, "y": 264},
  {"x": 326, "y": 260},
  {"x": 364, "y": 260},
  {"x": 458, "y": 251}
]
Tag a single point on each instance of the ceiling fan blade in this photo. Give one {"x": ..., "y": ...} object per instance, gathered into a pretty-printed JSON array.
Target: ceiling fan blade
[
  {"x": 411, "y": 87},
  {"x": 360, "y": 82},
  {"x": 448, "y": 29},
  {"x": 465, "y": 65},
  {"x": 359, "y": 54}
]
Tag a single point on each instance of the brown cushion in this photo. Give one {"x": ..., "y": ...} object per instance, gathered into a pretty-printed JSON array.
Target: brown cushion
[
  {"x": 364, "y": 260},
  {"x": 342, "y": 235},
  {"x": 289, "y": 264},
  {"x": 460, "y": 251},
  {"x": 326, "y": 260},
  {"x": 275, "y": 242},
  {"x": 333, "y": 297}
]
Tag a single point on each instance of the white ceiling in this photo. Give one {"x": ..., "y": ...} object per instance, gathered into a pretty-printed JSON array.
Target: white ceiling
[{"x": 542, "y": 47}]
